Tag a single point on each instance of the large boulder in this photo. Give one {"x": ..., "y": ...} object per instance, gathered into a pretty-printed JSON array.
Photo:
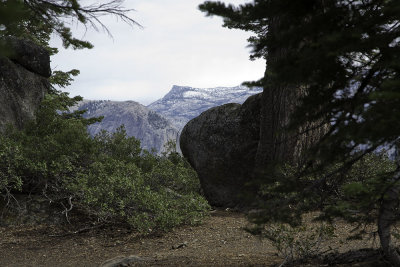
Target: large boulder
[
  {"x": 23, "y": 82},
  {"x": 221, "y": 145},
  {"x": 29, "y": 55}
]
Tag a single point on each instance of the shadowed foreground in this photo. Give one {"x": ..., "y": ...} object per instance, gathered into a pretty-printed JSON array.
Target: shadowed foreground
[{"x": 220, "y": 241}]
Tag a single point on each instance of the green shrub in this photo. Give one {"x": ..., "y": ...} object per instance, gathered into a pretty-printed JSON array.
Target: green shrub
[
  {"x": 176, "y": 175},
  {"x": 118, "y": 191},
  {"x": 54, "y": 147},
  {"x": 360, "y": 194},
  {"x": 296, "y": 243},
  {"x": 353, "y": 194},
  {"x": 11, "y": 159},
  {"x": 108, "y": 176},
  {"x": 160, "y": 196}
]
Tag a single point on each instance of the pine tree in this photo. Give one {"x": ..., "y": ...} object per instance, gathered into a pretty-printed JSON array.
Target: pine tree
[
  {"x": 344, "y": 56},
  {"x": 279, "y": 99},
  {"x": 38, "y": 19}
]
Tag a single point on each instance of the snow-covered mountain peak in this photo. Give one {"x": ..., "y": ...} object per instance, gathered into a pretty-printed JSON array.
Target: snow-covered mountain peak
[{"x": 183, "y": 103}]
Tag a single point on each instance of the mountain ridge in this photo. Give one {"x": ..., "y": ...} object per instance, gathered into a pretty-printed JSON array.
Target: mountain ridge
[
  {"x": 183, "y": 103},
  {"x": 162, "y": 120},
  {"x": 152, "y": 129}
]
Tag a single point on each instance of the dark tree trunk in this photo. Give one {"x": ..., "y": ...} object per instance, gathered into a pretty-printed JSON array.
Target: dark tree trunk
[
  {"x": 279, "y": 101},
  {"x": 388, "y": 215},
  {"x": 276, "y": 143}
]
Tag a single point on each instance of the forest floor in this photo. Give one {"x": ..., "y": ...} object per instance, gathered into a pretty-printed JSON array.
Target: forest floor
[{"x": 220, "y": 241}]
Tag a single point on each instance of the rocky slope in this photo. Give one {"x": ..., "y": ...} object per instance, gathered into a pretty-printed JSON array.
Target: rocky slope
[
  {"x": 184, "y": 103},
  {"x": 23, "y": 81},
  {"x": 152, "y": 129}
]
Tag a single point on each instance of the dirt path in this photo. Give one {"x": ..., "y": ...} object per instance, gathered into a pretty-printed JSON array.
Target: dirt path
[{"x": 220, "y": 241}]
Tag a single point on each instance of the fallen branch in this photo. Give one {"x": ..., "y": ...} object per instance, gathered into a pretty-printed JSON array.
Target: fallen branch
[{"x": 82, "y": 230}]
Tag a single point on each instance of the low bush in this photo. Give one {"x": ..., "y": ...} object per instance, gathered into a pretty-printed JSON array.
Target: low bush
[
  {"x": 160, "y": 195},
  {"x": 353, "y": 195},
  {"x": 301, "y": 242},
  {"x": 108, "y": 176},
  {"x": 11, "y": 159}
]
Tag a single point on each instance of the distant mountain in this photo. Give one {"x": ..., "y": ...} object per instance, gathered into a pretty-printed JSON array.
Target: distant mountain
[
  {"x": 184, "y": 103},
  {"x": 152, "y": 129},
  {"x": 162, "y": 120}
]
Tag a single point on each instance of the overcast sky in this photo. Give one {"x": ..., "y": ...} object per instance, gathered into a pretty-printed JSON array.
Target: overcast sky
[{"x": 178, "y": 45}]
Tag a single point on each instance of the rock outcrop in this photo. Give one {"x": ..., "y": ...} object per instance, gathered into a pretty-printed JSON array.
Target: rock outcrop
[
  {"x": 152, "y": 129},
  {"x": 224, "y": 170},
  {"x": 23, "y": 82}
]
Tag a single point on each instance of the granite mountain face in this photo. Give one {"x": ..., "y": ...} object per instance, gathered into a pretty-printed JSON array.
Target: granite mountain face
[
  {"x": 162, "y": 120},
  {"x": 152, "y": 129}
]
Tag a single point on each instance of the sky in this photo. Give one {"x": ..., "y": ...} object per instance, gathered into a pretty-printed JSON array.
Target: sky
[{"x": 178, "y": 45}]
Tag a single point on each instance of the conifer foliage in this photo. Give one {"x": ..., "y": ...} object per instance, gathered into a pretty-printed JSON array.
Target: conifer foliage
[
  {"x": 29, "y": 18},
  {"x": 345, "y": 55}
]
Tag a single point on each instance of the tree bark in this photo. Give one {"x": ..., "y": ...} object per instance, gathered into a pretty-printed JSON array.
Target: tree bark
[
  {"x": 388, "y": 215},
  {"x": 279, "y": 101},
  {"x": 276, "y": 143},
  {"x": 277, "y": 104}
]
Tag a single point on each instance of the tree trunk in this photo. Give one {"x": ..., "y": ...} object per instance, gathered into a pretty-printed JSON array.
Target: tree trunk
[
  {"x": 388, "y": 215},
  {"x": 279, "y": 100},
  {"x": 277, "y": 104},
  {"x": 276, "y": 144}
]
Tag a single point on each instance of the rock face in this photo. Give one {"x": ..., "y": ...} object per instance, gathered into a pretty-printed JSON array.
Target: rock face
[
  {"x": 152, "y": 129},
  {"x": 184, "y": 103},
  {"x": 32, "y": 57},
  {"x": 23, "y": 82},
  {"x": 225, "y": 169}
]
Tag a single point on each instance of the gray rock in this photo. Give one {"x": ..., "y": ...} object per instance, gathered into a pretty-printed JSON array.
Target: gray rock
[
  {"x": 221, "y": 145},
  {"x": 23, "y": 83},
  {"x": 122, "y": 261},
  {"x": 180, "y": 245},
  {"x": 152, "y": 129},
  {"x": 30, "y": 56}
]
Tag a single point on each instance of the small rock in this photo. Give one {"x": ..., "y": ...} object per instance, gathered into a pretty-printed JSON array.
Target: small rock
[
  {"x": 181, "y": 245},
  {"x": 121, "y": 261}
]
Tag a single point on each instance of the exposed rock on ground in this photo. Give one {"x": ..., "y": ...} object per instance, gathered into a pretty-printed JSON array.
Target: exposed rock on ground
[
  {"x": 224, "y": 170},
  {"x": 23, "y": 82},
  {"x": 122, "y": 261}
]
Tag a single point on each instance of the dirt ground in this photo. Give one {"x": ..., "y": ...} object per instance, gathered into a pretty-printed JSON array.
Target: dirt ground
[{"x": 220, "y": 241}]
